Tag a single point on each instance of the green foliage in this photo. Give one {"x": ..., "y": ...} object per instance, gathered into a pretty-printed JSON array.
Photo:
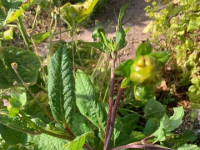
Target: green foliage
[
  {"x": 12, "y": 137},
  {"x": 87, "y": 102},
  {"x": 61, "y": 86},
  {"x": 144, "y": 48},
  {"x": 169, "y": 124},
  {"x": 74, "y": 14},
  {"x": 57, "y": 103},
  {"x": 123, "y": 69},
  {"x": 11, "y": 10},
  {"x": 154, "y": 109},
  {"x": 46, "y": 142},
  {"x": 178, "y": 24},
  {"x": 78, "y": 143},
  {"x": 27, "y": 66}
]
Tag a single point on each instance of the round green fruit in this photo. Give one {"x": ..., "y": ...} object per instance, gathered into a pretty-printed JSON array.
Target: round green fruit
[{"x": 145, "y": 70}]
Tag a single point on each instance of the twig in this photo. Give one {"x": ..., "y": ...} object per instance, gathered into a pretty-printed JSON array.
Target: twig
[
  {"x": 113, "y": 116},
  {"x": 112, "y": 76}
]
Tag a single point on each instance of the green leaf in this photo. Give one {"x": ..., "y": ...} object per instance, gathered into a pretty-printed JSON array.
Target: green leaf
[
  {"x": 87, "y": 102},
  {"x": 13, "y": 147},
  {"x": 61, "y": 86},
  {"x": 180, "y": 139},
  {"x": 80, "y": 125},
  {"x": 194, "y": 23},
  {"x": 144, "y": 92},
  {"x": 151, "y": 126},
  {"x": 169, "y": 124},
  {"x": 189, "y": 147},
  {"x": 144, "y": 48},
  {"x": 17, "y": 124},
  {"x": 11, "y": 10},
  {"x": 78, "y": 12},
  {"x": 162, "y": 57},
  {"x": 129, "y": 123},
  {"x": 8, "y": 34},
  {"x": 126, "y": 82},
  {"x": 160, "y": 134},
  {"x": 40, "y": 37},
  {"x": 97, "y": 31},
  {"x": 123, "y": 69},
  {"x": 17, "y": 101},
  {"x": 154, "y": 109},
  {"x": 78, "y": 142},
  {"x": 27, "y": 62},
  {"x": 176, "y": 119},
  {"x": 11, "y": 136},
  {"x": 120, "y": 41},
  {"x": 47, "y": 142},
  {"x": 134, "y": 136},
  {"x": 97, "y": 45}
]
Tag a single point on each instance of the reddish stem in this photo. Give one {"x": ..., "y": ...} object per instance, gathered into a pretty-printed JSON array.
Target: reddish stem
[
  {"x": 112, "y": 77},
  {"x": 113, "y": 116},
  {"x": 140, "y": 147}
]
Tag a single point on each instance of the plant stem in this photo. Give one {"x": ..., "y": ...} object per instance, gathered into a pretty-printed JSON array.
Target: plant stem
[
  {"x": 23, "y": 32},
  {"x": 87, "y": 147},
  {"x": 36, "y": 15},
  {"x": 113, "y": 116},
  {"x": 43, "y": 130},
  {"x": 141, "y": 147},
  {"x": 112, "y": 81}
]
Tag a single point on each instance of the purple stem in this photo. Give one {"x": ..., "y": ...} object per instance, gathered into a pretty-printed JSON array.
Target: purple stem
[
  {"x": 113, "y": 116},
  {"x": 140, "y": 146},
  {"x": 112, "y": 81}
]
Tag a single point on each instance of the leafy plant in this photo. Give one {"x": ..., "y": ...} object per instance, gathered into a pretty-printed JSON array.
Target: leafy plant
[{"x": 61, "y": 101}]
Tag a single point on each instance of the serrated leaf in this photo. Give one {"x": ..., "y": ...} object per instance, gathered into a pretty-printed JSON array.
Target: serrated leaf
[
  {"x": 87, "y": 102},
  {"x": 27, "y": 62},
  {"x": 80, "y": 125},
  {"x": 151, "y": 126},
  {"x": 78, "y": 142},
  {"x": 154, "y": 109},
  {"x": 11, "y": 136},
  {"x": 46, "y": 142},
  {"x": 61, "y": 86},
  {"x": 162, "y": 57},
  {"x": 123, "y": 69}
]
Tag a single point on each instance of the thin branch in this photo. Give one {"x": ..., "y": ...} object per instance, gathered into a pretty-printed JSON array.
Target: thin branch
[
  {"x": 113, "y": 116},
  {"x": 112, "y": 78},
  {"x": 145, "y": 146}
]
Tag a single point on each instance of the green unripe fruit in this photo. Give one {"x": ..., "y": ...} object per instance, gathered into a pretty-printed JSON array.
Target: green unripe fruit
[{"x": 145, "y": 70}]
